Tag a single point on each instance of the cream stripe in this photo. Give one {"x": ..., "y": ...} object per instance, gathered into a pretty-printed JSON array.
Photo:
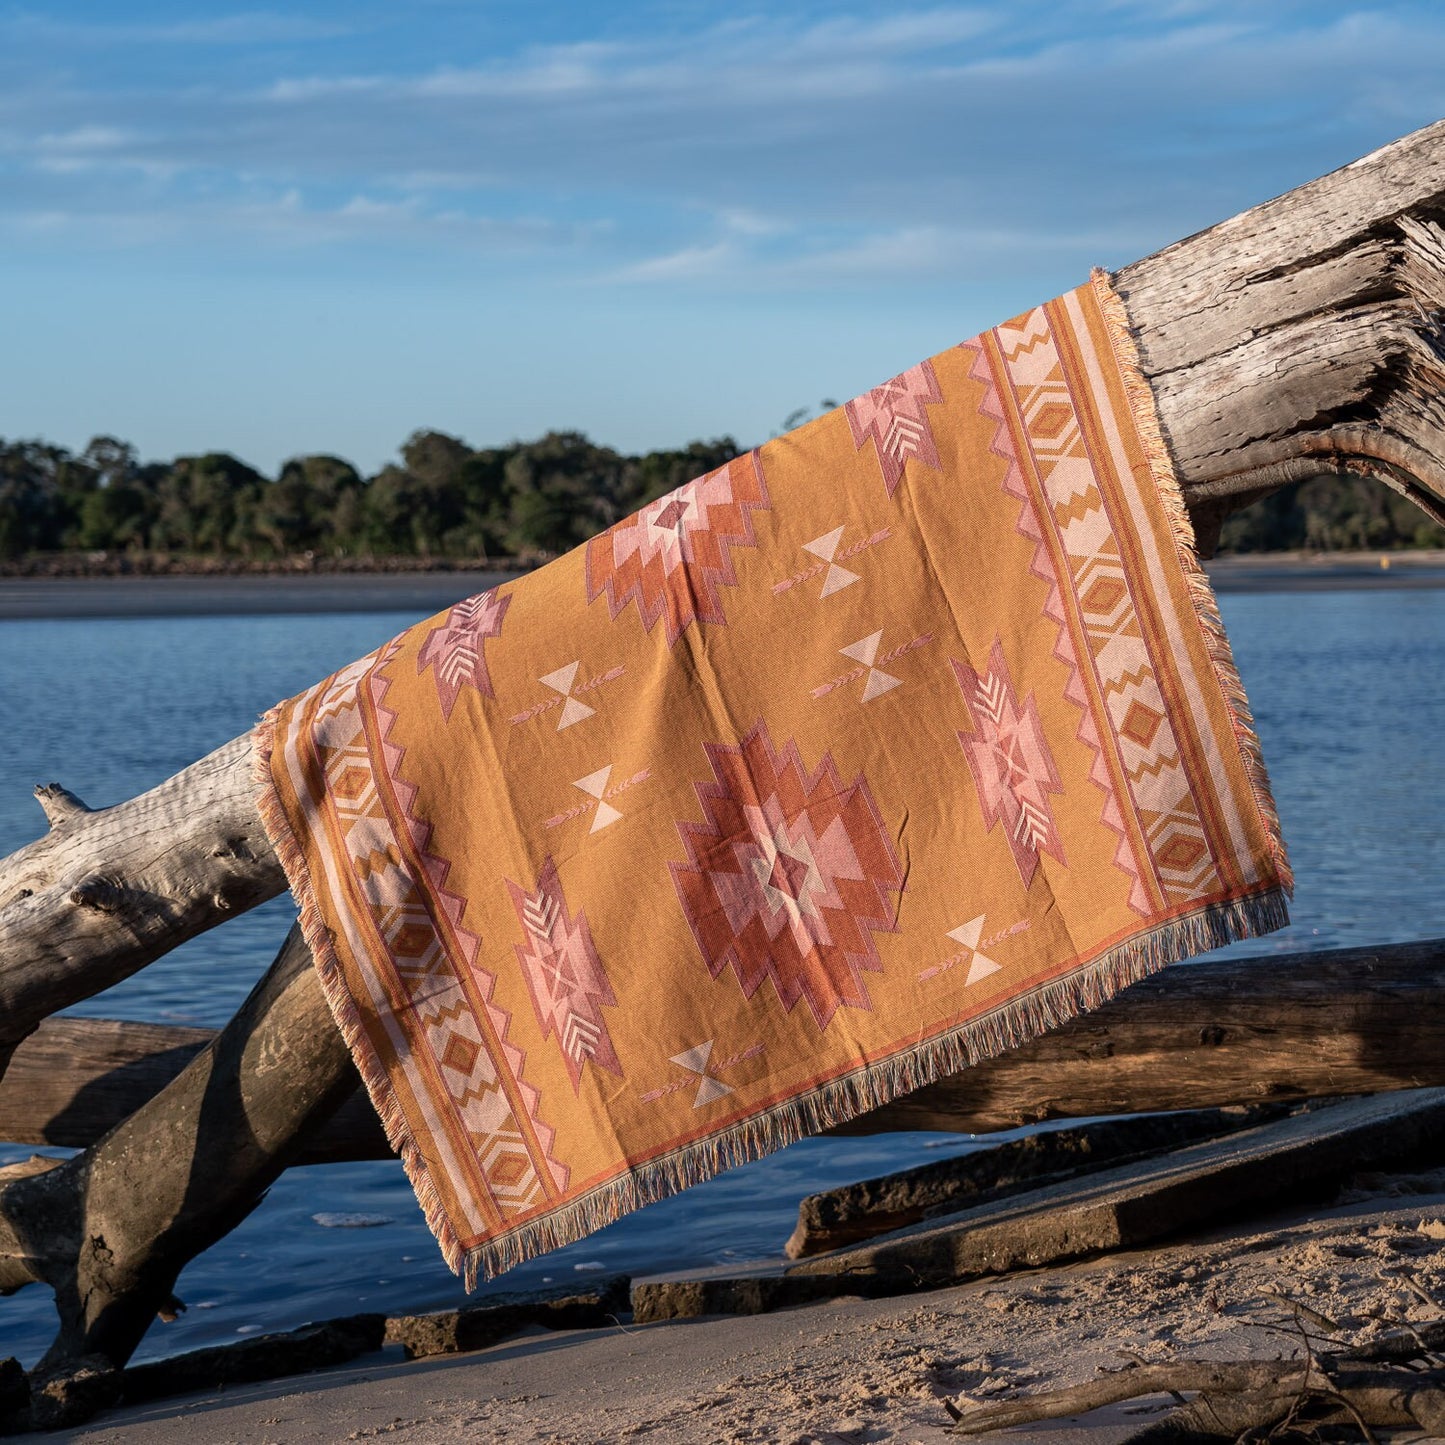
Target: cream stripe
[{"x": 1239, "y": 836}]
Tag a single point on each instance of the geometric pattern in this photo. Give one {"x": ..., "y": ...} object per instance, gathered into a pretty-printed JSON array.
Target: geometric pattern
[
  {"x": 894, "y": 416},
  {"x": 672, "y": 558},
  {"x": 865, "y": 651},
  {"x": 702, "y": 1073},
  {"x": 1034, "y": 524},
  {"x": 595, "y": 785},
  {"x": 564, "y": 976},
  {"x": 456, "y": 647},
  {"x": 763, "y": 948},
  {"x": 695, "y": 1060},
  {"x": 467, "y": 1043},
  {"x": 1143, "y": 752},
  {"x": 830, "y": 563},
  {"x": 563, "y": 683},
  {"x": 979, "y": 966},
  {"x": 788, "y": 877},
  {"x": 1012, "y": 765}
]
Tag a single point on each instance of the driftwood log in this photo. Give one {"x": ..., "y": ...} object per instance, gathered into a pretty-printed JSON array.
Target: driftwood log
[
  {"x": 1230, "y": 1031},
  {"x": 1305, "y": 336},
  {"x": 1393, "y": 1381},
  {"x": 110, "y": 1229}
]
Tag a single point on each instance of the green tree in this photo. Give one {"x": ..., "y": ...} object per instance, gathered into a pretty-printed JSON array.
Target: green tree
[
  {"x": 200, "y": 500},
  {"x": 297, "y": 512},
  {"x": 563, "y": 489}
]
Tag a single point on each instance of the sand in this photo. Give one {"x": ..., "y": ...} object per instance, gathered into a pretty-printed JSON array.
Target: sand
[{"x": 853, "y": 1371}]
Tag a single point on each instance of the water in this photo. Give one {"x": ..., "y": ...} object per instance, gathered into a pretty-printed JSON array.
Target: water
[{"x": 1348, "y": 703}]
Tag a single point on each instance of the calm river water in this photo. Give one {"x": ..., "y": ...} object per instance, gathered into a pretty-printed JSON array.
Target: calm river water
[{"x": 1347, "y": 691}]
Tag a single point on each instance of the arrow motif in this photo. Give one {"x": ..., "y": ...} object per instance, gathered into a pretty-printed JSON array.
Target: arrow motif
[
  {"x": 695, "y": 1060},
  {"x": 967, "y": 935},
  {"x": 826, "y": 548}
]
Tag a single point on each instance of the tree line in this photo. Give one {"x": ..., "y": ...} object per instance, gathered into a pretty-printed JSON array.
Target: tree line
[{"x": 446, "y": 500}]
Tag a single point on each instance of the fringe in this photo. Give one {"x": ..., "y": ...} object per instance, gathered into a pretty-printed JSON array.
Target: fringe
[
  {"x": 1201, "y": 594},
  {"x": 1007, "y": 1027},
  {"x": 338, "y": 997}
]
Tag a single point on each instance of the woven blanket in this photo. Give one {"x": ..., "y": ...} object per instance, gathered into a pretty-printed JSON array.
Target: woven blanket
[{"x": 873, "y": 753}]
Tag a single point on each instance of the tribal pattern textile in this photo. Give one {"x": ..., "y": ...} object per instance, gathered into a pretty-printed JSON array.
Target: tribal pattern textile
[{"x": 875, "y": 752}]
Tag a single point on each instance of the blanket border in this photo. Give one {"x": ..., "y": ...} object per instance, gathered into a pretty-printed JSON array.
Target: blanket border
[{"x": 1145, "y": 411}]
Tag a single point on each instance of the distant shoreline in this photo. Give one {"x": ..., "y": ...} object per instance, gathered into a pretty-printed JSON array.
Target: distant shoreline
[
  {"x": 420, "y": 593},
  {"x": 1326, "y": 571},
  {"x": 241, "y": 595}
]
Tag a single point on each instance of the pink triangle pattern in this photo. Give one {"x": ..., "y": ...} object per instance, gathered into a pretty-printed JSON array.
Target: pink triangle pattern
[
  {"x": 1042, "y": 567},
  {"x": 895, "y": 417}
]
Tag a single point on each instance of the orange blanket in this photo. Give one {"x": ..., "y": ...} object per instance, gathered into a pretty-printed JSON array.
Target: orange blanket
[{"x": 873, "y": 753}]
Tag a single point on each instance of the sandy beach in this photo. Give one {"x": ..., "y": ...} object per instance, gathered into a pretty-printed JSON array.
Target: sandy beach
[
  {"x": 421, "y": 593},
  {"x": 851, "y": 1371}
]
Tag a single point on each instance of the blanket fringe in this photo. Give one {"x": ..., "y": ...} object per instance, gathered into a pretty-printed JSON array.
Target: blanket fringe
[
  {"x": 1007, "y": 1027},
  {"x": 338, "y": 997},
  {"x": 1201, "y": 594}
]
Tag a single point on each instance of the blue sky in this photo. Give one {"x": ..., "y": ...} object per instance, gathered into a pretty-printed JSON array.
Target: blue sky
[{"x": 316, "y": 229}]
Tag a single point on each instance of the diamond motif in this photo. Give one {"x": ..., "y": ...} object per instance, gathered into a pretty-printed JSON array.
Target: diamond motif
[
  {"x": 1182, "y": 852},
  {"x": 789, "y": 877},
  {"x": 1141, "y": 723}
]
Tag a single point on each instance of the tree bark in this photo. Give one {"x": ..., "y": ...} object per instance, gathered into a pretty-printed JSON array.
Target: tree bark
[
  {"x": 75, "y": 1079},
  {"x": 110, "y": 1229},
  {"x": 1305, "y": 337},
  {"x": 106, "y": 892}
]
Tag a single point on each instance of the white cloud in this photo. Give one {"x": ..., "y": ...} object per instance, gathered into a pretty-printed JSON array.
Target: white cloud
[{"x": 760, "y": 151}]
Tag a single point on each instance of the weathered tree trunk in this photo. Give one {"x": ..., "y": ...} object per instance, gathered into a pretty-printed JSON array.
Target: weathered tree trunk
[
  {"x": 1300, "y": 338},
  {"x": 110, "y": 1229},
  {"x": 1232, "y": 1031},
  {"x": 75, "y": 1079},
  {"x": 106, "y": 892},
  {"x": 1305, "y": 337}
]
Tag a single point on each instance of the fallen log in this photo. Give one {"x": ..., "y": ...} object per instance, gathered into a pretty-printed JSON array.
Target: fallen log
[
  {"x": 1304, "y": 337},
  {"x": 110, "y": 1230},
  {"x": 75, "y": 1079},
  {"x": 1199, "y": 1036},
  {"x": 1353, "y": 1386},
  {"x": 110, "y": 890},
  {"x": 1306, "y": 1157},
  {"x": 1237, "y": 1031},
  {"x": 854, "y": 1212}
]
